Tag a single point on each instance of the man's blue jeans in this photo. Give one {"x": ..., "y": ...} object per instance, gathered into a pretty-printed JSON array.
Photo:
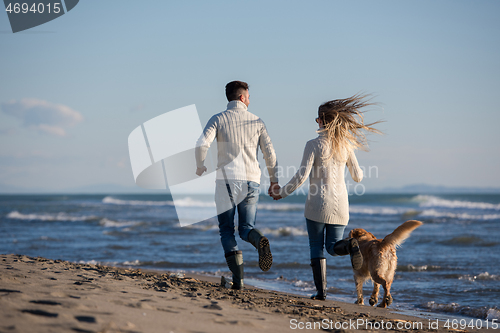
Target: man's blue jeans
[
  {"x": 236, "y": 195},
  {"x": 317, "y": 239}
]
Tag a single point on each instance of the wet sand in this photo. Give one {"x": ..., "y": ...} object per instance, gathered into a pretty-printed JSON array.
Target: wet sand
[{"x": 44, "y": 295}]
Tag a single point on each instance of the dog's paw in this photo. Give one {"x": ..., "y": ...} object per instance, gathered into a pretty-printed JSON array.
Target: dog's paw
[
  {"x": 386, "y": 302},
  {"x": 373, "y": 301},
  {"x": 359, "y": 301}
]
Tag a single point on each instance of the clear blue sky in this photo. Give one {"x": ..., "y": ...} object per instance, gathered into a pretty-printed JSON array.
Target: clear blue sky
[{"x": 104, "y": 68}]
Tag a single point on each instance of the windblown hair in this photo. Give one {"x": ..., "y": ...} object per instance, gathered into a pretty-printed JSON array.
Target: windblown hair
[{"x": 344, "y": 124}]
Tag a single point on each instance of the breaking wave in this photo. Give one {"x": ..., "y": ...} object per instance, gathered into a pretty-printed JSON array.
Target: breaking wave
[
  {"x": 281, "y": 206},
  {"x": 461, "y": 216},
  {"x": 113, "y": 201},
  {"x": 483, "y": 312},
  {"x": 285, "y": 231},
  {"x": 481, "y": 277},
  {"x": 423, "y": 268},
  {"x": 49, "y": 217},
  {"x": 432, "y": 201},
  {"x": 355, "y": 209},
  {"x": 107, "y": 223}
]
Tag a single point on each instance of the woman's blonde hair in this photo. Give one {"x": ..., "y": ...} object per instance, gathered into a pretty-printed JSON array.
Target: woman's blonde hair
[{"x": 344, "y": 124}]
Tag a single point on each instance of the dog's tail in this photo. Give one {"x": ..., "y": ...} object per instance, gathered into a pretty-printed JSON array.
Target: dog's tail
[{"x": 401, "y": 233}]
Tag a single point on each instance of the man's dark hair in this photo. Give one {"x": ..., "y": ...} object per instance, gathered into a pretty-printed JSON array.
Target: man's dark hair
[{"x": 235, "y": 89}]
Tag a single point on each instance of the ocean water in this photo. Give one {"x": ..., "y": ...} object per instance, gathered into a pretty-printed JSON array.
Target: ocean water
[{"x": 449, "y": 265}]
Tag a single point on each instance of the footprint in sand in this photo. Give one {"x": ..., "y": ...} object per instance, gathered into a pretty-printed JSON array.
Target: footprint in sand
[
  {"x": 44, "y": 302},
  {"x": 213, "y": 306},
  {"x": 86, "y": 319},
  {"x": 9, "y": 291},
  {"x": 40, "y": 313}
]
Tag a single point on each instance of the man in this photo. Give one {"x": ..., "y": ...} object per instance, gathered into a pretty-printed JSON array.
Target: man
[{"x": 239, "y": 133}]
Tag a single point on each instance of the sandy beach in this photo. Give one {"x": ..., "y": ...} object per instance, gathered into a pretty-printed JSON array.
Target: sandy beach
[{"x": 44, "y": 295}]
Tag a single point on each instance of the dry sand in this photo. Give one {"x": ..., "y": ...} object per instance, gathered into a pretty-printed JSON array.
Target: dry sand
[{"x": 43, "y": 295}]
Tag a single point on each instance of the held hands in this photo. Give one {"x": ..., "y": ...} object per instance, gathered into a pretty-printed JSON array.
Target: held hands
[
  {"x": 200, "y": 171},
  {"x": 274, "y": 191}
]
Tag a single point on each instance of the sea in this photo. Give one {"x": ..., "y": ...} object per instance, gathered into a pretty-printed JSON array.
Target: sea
[{"x": 450, "y": 265}]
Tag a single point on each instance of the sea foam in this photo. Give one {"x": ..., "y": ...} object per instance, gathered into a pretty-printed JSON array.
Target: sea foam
[
  {"x": 107, "y": 223},
  {"x": 282, "y": 206},
  {"x": 356, "y": 209},
  {"x": 483, "y": 312},
  {"x": 481, "y": 277},
  {"x": 48, "y": 217},
  {"x": 423, "y": 268},
  {"x": 493, "y": 314},
  {"x": 285, "y": 231},
  {"x": 460, "y": 216},
  {"x": 113, "y": 201},
  {"x": 433, "y": 201}
]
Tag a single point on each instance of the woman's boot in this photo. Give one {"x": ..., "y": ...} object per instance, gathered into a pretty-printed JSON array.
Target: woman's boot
[
  {"x": 350, "y": 246},
  {"x": 319, "y": 274},
  {"x": 235, "y": 263}
]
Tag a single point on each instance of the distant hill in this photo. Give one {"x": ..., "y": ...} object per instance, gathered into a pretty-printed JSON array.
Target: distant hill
[{"x": 430, "y": 189}]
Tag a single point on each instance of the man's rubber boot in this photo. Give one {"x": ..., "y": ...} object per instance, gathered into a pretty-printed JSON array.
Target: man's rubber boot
[
  {"x": 261, "y": 243},
  {"x": 235, "y": 263},
  {"x": 351, "y": 247},
  {"x": 319, "y": 274}
]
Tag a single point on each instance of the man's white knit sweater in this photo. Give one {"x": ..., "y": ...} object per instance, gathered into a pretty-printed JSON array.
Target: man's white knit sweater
[
  {"x": 239, "y": 134},
  {"x": 327, "y": 200}
]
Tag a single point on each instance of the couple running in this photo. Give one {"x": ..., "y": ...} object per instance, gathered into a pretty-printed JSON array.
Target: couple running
[{"x": 239, "y": 134}]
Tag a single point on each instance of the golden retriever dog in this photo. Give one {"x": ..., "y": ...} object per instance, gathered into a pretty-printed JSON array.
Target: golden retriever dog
[{"x": 379, "y": 260}]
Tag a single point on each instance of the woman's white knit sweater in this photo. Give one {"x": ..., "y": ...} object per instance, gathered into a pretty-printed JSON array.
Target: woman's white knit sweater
[{"x": 327, "y": 200}]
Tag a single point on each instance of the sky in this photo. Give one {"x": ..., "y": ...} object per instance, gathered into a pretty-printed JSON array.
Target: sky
[{"x": 73, "y": 89}]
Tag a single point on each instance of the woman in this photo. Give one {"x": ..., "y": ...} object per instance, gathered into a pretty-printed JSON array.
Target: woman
[{"x": 327, "y": 208}]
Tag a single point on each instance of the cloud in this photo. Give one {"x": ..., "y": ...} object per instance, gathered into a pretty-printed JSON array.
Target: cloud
[{"x": 43, "y": 116}]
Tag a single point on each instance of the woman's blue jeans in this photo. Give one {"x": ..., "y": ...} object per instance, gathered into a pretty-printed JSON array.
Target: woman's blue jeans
[
  {"x": 231, "y": 196},
  {"x": 317, "y": 239}
]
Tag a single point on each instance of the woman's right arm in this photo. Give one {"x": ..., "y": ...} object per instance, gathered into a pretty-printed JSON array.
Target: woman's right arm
[
  {"x": 353, "y": 166},
  {"x": 301, "y": 175}
]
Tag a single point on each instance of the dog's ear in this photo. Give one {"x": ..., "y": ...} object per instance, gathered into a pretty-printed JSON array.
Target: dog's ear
[{"x": 361, "y": 233}]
